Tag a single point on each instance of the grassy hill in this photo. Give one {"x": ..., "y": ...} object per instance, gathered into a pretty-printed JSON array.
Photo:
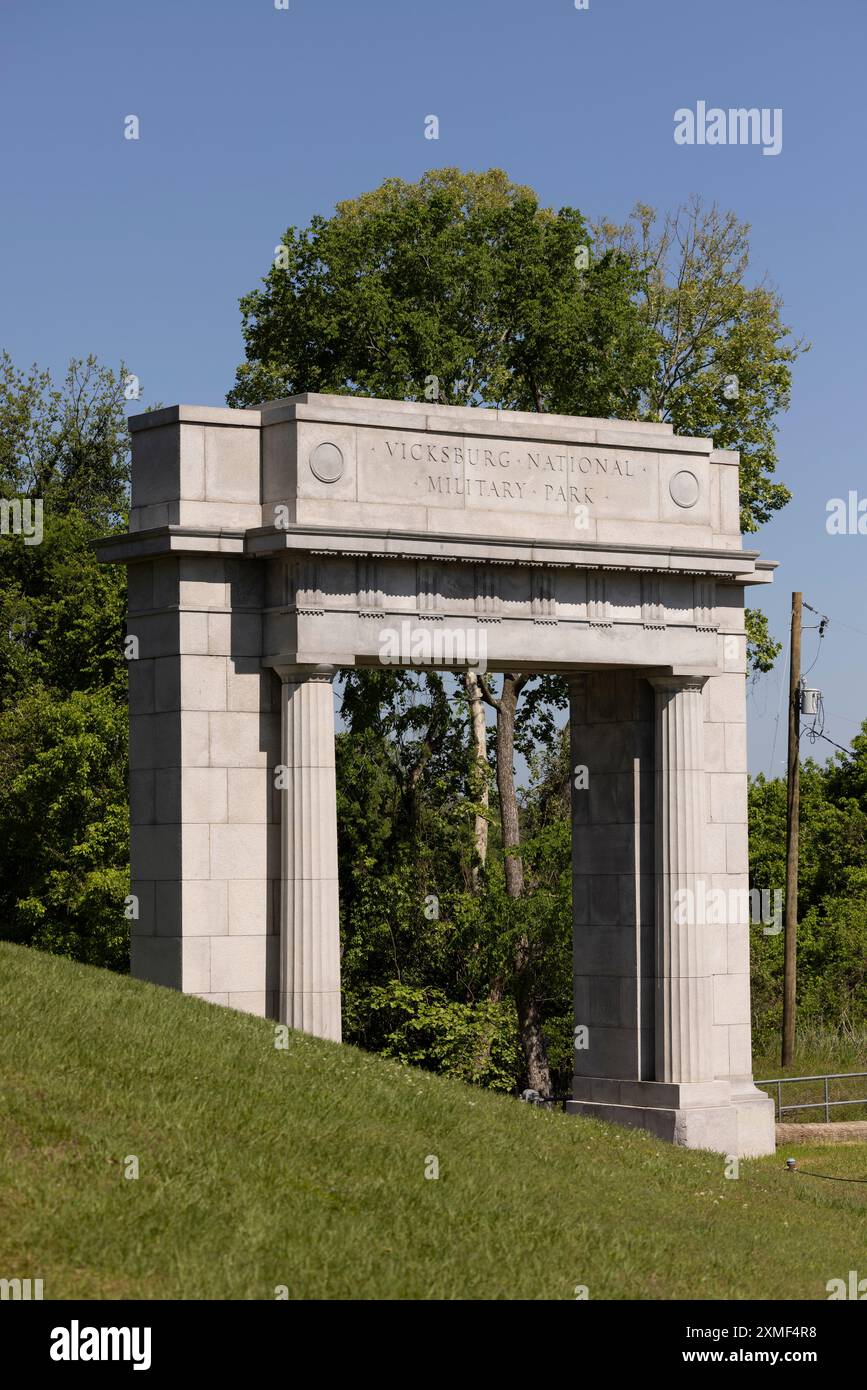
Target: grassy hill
[{"x": 306, "y": 1168}]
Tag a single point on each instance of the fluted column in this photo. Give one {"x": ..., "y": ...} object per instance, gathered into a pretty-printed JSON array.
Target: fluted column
[
  {"x": 309, "y": 903},
  {"x": 684, "y": 989}
]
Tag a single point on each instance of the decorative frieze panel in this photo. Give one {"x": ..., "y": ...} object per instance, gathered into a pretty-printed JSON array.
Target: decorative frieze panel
[
  {"x": 494, "y": 591},
  {"x": 704, "y": 603},
  {"x": 652, "y": 607},
  {"x": 429, "y": 601},
  {"x": 489, "y": 604},
  {"x": 598, "y": 607},
  {"x": 370, "y": 598},
  {"x": 305, "y": 595},
  {"x": 543, "y": 604}
]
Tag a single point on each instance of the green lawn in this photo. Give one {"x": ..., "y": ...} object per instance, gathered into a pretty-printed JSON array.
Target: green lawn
[{"x": 306, "y": 1168}]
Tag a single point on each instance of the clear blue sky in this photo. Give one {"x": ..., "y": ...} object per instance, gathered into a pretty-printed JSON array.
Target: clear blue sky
[{"x": 254, "y": 118}]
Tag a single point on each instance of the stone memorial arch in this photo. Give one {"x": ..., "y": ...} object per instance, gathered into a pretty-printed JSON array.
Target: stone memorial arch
[{"x": 269, "y": 547}]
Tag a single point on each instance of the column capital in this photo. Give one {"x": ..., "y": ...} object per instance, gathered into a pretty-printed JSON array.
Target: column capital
[
  {"x": 676, "y": 684},
  {"x": 291, "y": 673}
]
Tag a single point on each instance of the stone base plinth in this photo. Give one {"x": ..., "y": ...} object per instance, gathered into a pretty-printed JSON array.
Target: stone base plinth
[{"x": 733, "y": 1123}]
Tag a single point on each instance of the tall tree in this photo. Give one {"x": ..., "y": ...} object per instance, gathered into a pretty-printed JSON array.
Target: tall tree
[
  {"x": 460, "y": 288},
  {"x": 723, "y": 355}
]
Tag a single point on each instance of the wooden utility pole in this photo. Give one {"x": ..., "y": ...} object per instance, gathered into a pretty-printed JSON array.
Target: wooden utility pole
[{"x": 793, "y": 811}]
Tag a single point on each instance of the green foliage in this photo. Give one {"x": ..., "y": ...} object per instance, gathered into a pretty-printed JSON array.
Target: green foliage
[
  {"x": 723, "y": 356},
  {"x": 67, "y": 444},
  {"x": 63, "y": 721},
  {"x": 832, "y": 962},
  {"x": 762, "y": 649},
  {"x": 722, "y": 352},
  {"x": 832, "y": 895},
  {"x": 414, "y": 932},
  {"x": 63, "y": 809},
  {"x": 473, "y": 1042},
  {"x": 462, "y": 277},
  {"x": 61, "y": 612}
]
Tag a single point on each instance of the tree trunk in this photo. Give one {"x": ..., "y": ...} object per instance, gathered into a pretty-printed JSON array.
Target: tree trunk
[
  {"x": 508, "y": 702},
  {"x": 529, "y": 1016},
  {"x": 533, "y": 1043},
  {"x": 479, "y": 778},
  {"x": 482, "y": 795}
]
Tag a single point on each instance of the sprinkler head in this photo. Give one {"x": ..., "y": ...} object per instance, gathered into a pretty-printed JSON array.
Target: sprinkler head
[{"x": 791, "y": 1164}]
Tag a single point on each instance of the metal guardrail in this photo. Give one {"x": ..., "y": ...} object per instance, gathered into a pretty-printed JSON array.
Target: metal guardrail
[{"x": 826, "y": 1103}]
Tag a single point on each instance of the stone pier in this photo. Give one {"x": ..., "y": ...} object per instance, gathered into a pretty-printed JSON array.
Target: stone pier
[{"x": 309, "y": 996}]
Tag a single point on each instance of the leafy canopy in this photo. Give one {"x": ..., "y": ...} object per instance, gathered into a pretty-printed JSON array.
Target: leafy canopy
[
  {"x": 460, "y": 277},
  {"x": 64, "y": 834}
]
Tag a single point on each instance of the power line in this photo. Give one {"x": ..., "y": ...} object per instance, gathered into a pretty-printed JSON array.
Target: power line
[
  {"x": 850, "y": 752},
  {"x": 838, "y": 621},
  {"x": 815, "y": 733},
  {"x": 822, "y": 625}
]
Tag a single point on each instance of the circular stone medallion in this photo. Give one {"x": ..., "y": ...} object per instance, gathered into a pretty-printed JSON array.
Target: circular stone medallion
[
  {"x": 684, "y": 488},
  {"x": 326, "y": 463}
]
